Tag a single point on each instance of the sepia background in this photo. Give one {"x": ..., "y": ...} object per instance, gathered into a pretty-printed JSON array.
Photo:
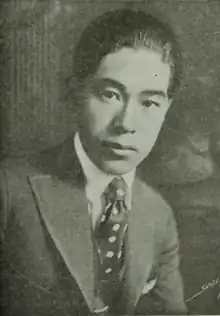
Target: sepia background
[{"x": 37, "y": 40}]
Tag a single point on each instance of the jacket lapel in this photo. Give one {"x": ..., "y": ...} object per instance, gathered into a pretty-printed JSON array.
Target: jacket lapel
[
  {"x": 64, "y": 210},
  {"x": 140, "y": 241}
]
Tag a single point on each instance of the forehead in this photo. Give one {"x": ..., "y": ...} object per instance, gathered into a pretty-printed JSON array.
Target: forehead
[{"x": 137, "y": 69}]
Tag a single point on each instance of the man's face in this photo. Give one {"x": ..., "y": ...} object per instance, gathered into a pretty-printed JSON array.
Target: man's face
[{"x": 123, "y": 107}]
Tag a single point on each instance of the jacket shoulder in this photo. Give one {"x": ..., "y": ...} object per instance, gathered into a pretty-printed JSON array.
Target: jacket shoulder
[
  {"x": 153, "y": 199},
  {"x": 160, "y": 211},
  {"x": 13, "y": 184}
]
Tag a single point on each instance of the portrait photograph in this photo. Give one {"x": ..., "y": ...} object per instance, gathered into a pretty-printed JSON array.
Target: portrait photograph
[{"x": 109, "y": 157}]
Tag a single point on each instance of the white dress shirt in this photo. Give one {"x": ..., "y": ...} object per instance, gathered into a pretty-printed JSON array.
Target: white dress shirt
[{"x": 97, "y": 181}]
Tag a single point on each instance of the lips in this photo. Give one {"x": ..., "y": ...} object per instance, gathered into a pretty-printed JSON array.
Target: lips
[{"x": 115, "y": 145}]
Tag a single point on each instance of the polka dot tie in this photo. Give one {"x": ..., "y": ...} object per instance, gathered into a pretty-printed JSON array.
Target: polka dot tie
[{"x": 111, "y": 240}]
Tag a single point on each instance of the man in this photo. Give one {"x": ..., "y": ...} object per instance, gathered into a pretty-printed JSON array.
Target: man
[{"x": 81, "y": 232}]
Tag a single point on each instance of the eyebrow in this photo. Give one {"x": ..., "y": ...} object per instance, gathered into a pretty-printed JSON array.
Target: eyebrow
[
  {"x": 159, "y": 93},
  {"x": 112, "y": 82},
  {"x": 120, "y": 86}
]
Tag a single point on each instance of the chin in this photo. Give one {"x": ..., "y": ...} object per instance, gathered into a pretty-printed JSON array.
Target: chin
[{"x": 117, "y": 167}]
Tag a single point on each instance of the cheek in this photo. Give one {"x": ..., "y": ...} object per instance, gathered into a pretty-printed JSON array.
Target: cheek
[
  {"x": 97, "y": 115},
  {"x": 153, "y": 121},
  {"x": 150, "y": 128}
]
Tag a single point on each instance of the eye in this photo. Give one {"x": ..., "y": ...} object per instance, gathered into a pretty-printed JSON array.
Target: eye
[
  {"x": 110, "y": 95},
  {"x": 150, "y": 103}
]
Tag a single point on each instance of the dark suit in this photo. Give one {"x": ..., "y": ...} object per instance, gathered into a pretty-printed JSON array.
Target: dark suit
[{"x": 48, "y": 252}]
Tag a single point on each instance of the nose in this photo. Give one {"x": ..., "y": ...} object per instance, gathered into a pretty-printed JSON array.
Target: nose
[{"x": 126, "y": 118}]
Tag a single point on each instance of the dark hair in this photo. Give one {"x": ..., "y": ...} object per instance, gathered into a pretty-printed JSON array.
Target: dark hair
[{"x": 126, "y": 28}]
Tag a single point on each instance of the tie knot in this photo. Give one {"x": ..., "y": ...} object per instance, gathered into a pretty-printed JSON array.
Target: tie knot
[{"x": 117, "y": 189}]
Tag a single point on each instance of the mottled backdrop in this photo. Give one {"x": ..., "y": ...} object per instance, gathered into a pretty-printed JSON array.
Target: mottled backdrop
[{"x": 37, "y": 40}]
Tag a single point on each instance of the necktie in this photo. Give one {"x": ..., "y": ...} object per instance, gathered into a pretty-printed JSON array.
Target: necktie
[{"x": 111, "y": 240}]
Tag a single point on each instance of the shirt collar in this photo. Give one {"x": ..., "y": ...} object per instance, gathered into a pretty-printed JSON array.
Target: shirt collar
[{"x": 96, "y": 179}]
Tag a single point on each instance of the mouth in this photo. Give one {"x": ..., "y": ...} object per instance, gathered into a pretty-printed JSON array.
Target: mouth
[{"x": 118, "y": 148}]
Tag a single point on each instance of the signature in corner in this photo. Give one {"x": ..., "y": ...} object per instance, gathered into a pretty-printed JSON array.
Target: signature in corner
[{"x": 204, "y": 288}]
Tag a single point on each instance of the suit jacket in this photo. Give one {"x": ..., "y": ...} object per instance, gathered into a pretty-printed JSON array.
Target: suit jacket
[{"x": 47, "y": 259}]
